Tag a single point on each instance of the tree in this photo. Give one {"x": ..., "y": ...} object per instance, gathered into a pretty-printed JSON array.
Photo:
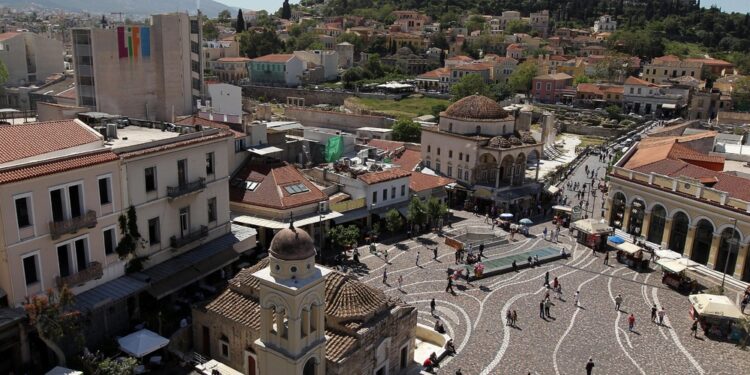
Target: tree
[
  {"x": 614, "y": 111},
  {"x": 286, "y": 10},
  {"x": 475, "y": 22},
  {"x": 210, "y": 31},
  {"x": 438, "y": 40},
  {"x": 3, "y": 73},
  {"x": 436, "y": 209},
  {"x": 416, "y": 212},
  {"x": 374, "y": 66},
  {"x": 99, "y": 364},
  {"x": 393, "y": 221},
  {"x": 130, "y": 241},
  {"x": 469, "y": 84},
  {"x": 581, "y": 79},
  {"x": 343, "y": 236},
  {"x": 224, "y": 17},
  {"x": 53, "y": 318},
  {"x": 517, "y": 27},
  {"x": 437, "y": 108},
  {"x": 406, "y": 130},
  {"x": 240, "y": 25},
  {"x": 741, "y": 94},
  {"x": 254, "y": 44},
  {"x": 351, "y": 76},
  {"x": 521, "y": 78}
]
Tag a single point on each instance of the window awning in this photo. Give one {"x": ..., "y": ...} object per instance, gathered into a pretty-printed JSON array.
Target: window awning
[
  {"x": 112, "y": 291},
  {"x": 264, "y": 150},
  {"x": 279, "y": 224},
  {"x": 351, "y": 215},
  {"x": 668, "y": 106}
]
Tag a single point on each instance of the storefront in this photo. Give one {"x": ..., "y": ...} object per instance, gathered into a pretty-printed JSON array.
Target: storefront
[
  {"x": 592, "y": 233},
  {"x": 718, "y": 316}
]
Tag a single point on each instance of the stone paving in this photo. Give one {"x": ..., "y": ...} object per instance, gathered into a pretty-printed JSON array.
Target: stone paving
[{"x": 474, "y": 316}]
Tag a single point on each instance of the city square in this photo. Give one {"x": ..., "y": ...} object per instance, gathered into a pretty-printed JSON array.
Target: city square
[{"x": 475, "y": 316}]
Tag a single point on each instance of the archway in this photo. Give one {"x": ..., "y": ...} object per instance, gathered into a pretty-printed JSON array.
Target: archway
[
  {"x": 506, "y": 169},
  {"x": 656, "y": 227},
  {"x": 728, "y": 245},
  {"x": 636, "y": 217},
  {"x": 678, "y": 235},
  {"x": 704, "y": 233},
  {"x": 486, "y": 170},
  {"x": 520, "y": 169},
  {"x": 309, "y": 368},
  {"x": 617, "y": 211}
]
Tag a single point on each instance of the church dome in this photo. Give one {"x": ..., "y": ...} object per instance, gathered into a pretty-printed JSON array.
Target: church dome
[
  {"x": 476, "y": 107},
  {"x": 292, "y": 244}
]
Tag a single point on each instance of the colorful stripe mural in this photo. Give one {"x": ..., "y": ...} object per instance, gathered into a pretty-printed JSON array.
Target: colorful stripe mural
[{"x": 133, "y": 41}]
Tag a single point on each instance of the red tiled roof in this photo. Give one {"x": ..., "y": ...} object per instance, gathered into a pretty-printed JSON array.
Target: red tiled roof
[
  {"x": 589, "y": 88},
  {"x": 461, "y": 58},
  {"x": 515, "y": 46},
  {"x": 338, "y": 346},
  {"x": 637, "y": 81},
  {"x": 474, "y": 66},
  {"x": 383, "y": 176},
  {"x": 270, "y": 191},
  {"x": 385, "y": 145},
  {"x": 236, "y": 307},
  {"x": 8, "y": 35},
  {"x": 57, "y": 166},
  {"x": 196, "y": 120},
  {"x": 421, "y": 181},
  {"x": 437, "y": 73},
  {"x": 736, "y": 186},
  {"x": 407, "y": 159},
  {"x": 688, "y": 154},
  {"x": 712, "y": 62},
  {"x": 27, "y": 140},
  {"x": 615, "y": 89},
  {"x": 274, "y": 58},
  {"x": 173, "y": 145}
]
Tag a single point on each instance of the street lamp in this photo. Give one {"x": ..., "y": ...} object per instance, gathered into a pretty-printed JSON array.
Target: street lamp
[{"x": 729, "y": 253}]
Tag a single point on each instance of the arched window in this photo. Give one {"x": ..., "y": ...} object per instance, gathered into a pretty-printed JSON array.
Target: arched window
[
  {"x": 704, "y": 234},
  {"x": 656, "y": 227},
  {"x": 309, "y": 368},
  {"x": 730, "y": 244},
  {"x": 679, "y": 232},
  {"x": 479, "y": 129}
]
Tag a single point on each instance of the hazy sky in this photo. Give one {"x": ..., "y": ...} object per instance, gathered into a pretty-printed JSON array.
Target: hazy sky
[{"x": 742, "y": 6}]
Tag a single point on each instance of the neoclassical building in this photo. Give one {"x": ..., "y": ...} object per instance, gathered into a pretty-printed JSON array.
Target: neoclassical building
[
  {"x": 288, "y": 315},
  {"x": 673, "y": 193},
  {"x": 483, "y": 146}
]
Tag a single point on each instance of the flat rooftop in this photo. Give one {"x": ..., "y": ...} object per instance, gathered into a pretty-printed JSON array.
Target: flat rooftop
[
  {"x": 136, "y": 135},
  {"x": 737, "y": 166}
]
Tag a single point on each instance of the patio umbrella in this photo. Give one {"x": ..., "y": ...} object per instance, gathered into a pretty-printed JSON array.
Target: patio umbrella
[
  {"x": 526, "y": 221},
  {"x": 142, "y": 343},
  {"x": 506, "y": 215},
  {"x": 615, "y": 240}
]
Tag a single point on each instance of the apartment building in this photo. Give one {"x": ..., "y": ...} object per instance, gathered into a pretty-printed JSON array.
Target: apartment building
[
  {"x": 30, "y": 58},
  {"x": 539, "y": 22},
  {"x": 59, "y": 203},
  {"x": 661, "y": 70},
  {"x": 276, "y": 70},
  {"x": 151, "y": 72},
  {"x": 646, "y": 98}
]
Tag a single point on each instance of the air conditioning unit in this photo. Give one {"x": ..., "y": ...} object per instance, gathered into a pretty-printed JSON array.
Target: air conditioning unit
[
  {"x": 323, "y": 207},
  {"x": 111, "y": 131}
]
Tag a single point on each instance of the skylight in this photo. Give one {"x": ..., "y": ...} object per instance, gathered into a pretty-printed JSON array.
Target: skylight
[{"x": 296, "y": 188}]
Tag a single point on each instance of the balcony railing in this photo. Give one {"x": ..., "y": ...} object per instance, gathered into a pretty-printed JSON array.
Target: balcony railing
[
  {"x": 92, "y": 272},
  {"x": 178, "y": 242},
  {"x": 190, "y": 187},
  {"x": 72, "y": 225}
]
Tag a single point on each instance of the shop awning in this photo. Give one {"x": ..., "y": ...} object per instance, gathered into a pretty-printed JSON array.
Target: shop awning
[
  {"x": 562, "y": 208},
  {"x": 628, "y": 248},
  {"x": 112, "y": 291},
  {"x": 142, "y": 343},
  {"x": 552, "y": 189},
  {"x": 351, "y": 215},
  {"x": 668, "y": 106},
  {"x": 713, "y": 305},
  {"x": 279, "y": 224},
  {"x": 183, "y": 270},
  {"x": 672, "y": 265},
  {"x": 592, "y": 226},
  {"x": 667, "y": 254},
  {"x": 264, "y": 150}
]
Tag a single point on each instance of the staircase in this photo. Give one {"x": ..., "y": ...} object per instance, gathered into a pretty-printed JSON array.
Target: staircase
[{"x": 551, "y": 153}]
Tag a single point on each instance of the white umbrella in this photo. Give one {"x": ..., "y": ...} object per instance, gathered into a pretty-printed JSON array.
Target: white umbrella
[
  {"x": 506, "y": 215},
  {"x": 141, "y": 343}
]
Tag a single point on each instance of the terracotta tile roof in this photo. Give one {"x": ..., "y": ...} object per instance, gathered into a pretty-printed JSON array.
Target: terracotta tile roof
[
  {"x": 196, "y": 120},
  {"x": 56, "y": 166},
  {"x": 244, "y": 278},
  {"x": 270, "y": 191},
  {"x": 589, "y": 88},
  {"x": 665, "y": 59},
  {"x": 421, "y": 181},
  {"x": 682, "y": 152},
  {"x": 27, "y": 140},
  {"x": 174, "y": 145},
  {"x": 236, "y": 307},
  {"x": 339, "y": 346},
  {"x": 639, "y": 82},
  {"x": 461, "y": 58},
  {"x": 435, "y": 74},
  {"x": 407, "y": 159},
  {"x": 274, "y": 58},
  {"x": 679, "y": 168},
  {"x": 385, "y": 145},
  {"x": 712, "y": 62},
  {"x": 383, "y": 176},
  {"x": 233, "y": 59},
  {"x": 473, "y": 67},
  {"x": 736, "y": 186},
  {"x": 515, "y": 47},
  {"x": 8, "y": 35},
  {"x": 554, "y": 77},
  {"x": 350, "y": 299},
  {"x": 615, "y": 89}
]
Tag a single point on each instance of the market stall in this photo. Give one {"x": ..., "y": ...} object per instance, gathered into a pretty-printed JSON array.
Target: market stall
[
  {"x": 592, "y": 232},
  {"x": 562, "y": 215},
  {"x": 676, "y": 275},
  {"x": 717, "y": 315},
  {"x": 629, "y": 254}
]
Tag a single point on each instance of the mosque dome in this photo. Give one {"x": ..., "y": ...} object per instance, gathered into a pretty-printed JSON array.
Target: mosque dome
[
  {"x": 292, "y": 244},
  {"x": 476, "y": 107}
]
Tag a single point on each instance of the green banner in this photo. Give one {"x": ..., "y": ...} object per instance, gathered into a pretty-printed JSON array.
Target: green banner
[{"x": 334, "y": 148}]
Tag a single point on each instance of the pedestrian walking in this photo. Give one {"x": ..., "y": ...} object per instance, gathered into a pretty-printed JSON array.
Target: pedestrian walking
[
  {"x": 544, "y": 233},
  {"x": 546, "y": 279},
  {"x": 618, "y": 302},
  {"x": 515, "y": 318},
  {"x": 530, "y": 260},
  {"x": 434, "y": 253},
  {"x": 606, "y": 258},
  {"x": 576, "y": 298},
  {"x": 536, "y": 260},
  {"x": 432, "y": 307},
  {"x": 541, "y": 309},
  {"x": 385, "y": 255},
  {"x": 547, "y": 305},
  {"x": 662, "y": 314},
  {"x": 400, "y": 281},
  {"x": 481, "y": 250},
  {"x": 653, "y": 313},
  {"x": 416, "y": 262},
  {"x": 694, "y": 328},
  {"x": 385, "y": 276},
  {"x": 509, "y": 318},
  {"x": 555, "y": 283},
  {"x": 589, "y": 366},
  {"x": 515, "y": 266},
  {"x": 457, "y": 255},
  {"x": 450, "y": 285},
  {"x": 631, "y": 322}
]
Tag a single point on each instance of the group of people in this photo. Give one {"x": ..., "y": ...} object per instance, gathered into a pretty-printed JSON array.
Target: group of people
[{"x": 554, "y": 234}]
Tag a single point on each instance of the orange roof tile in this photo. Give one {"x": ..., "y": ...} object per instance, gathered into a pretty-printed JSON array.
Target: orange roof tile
[
  {"x": 270, "y": 191},
  {"x": 383, "y": 176},
  {"x": 461, "y": 58},
  {"x": 474, "y": 67},
  {"x": 589, "y": 88},
  {"x": 437, "y": 73},
  {"x": 384, "y": 144},
  {"x": 8, "y": 35},
  {"x": 637, "y": 81},
  {"x": 407, "y": 159},
  {"x": 274, "y": 58},
  {"x": 233, "y": 59},
  {"x": 422, "y": 181},
  {"x": 712, "y": 62},
  {"x": 27, "y": 140},
  {"x": 56, "y": 166}
]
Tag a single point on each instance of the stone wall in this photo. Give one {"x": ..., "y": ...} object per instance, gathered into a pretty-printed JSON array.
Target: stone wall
[
  {"x": 311, "y": 97},
  {"x": 592, "y": 130},
  {"x": 336, "y": 120}
]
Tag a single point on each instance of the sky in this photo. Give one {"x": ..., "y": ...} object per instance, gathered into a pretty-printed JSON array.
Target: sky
[{"x": 742, "y": 6}]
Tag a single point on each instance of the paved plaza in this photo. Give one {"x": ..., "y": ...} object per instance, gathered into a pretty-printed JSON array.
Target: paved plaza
[{"x": 475, "y": 315}]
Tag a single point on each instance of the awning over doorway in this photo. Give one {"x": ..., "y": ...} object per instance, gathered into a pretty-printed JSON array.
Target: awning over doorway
[
  {"x": 668, "y": 106},
  {"x": 112, "y": 291},
  {"x": 279, "y": 224},
  {"x": 352, "y": 215}
]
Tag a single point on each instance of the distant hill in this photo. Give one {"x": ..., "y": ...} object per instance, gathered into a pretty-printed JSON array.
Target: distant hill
[{"x": 130, "y": 7}]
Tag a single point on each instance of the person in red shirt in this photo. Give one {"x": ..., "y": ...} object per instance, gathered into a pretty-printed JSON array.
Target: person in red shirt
[{"x": 631, "y": 322}]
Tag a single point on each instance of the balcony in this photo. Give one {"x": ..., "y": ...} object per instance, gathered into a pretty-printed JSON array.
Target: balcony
[
  {"x": 72, "y": 225},
  {"x": 184, "y": 189},
  {"x": 178, "y": 242},
  {"x": 92, "y": 272}
]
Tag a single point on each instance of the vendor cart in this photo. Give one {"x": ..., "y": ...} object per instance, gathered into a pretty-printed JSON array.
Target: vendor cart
[
  {"x": 592, "y": 233},
  {"x": 718, "y": 316},
  {"x": 675, "y": 273},
  {"x": 630, "y": 255}
]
